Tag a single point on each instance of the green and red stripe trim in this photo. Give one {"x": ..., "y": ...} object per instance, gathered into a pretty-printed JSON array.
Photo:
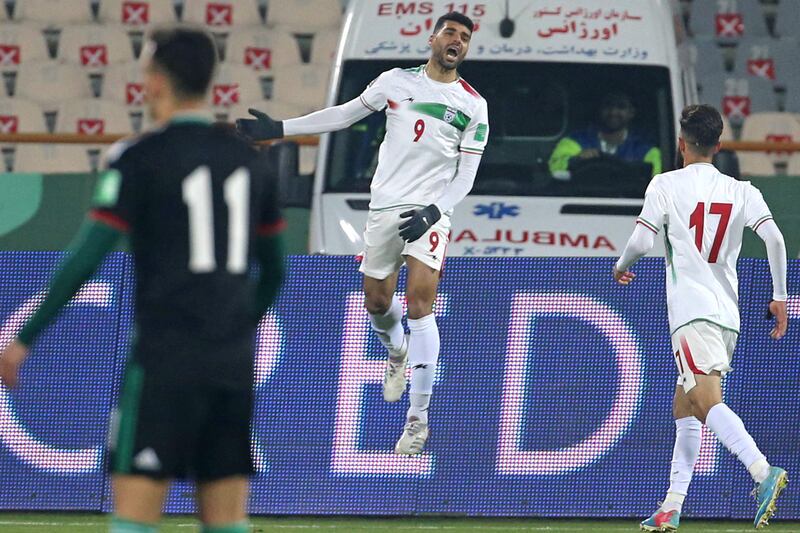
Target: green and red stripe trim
[{"x": 649, "y": 225}]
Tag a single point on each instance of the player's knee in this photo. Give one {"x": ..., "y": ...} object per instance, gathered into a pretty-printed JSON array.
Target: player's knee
[
  {"x": 377, "y": 304},
  {"x": 420, "y": 303}
]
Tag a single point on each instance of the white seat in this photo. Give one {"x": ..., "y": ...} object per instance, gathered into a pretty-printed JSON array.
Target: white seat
[
  {"x": 728, "y": 20},
  {"x": 21, "y": 116},
  {"x": 755, "y": 164},
  {"x": 787, "y": 19},
  {"x": 92, "y": 117},
  {"x": 234, "y": 84},
  {"x": 221, "y": 15},
  {"x": 777, "y": 127},
  {"x": 123, "y": 83},
  {"x": 305, "y": 16},
  {"x": 51, "y": 158},
  {"x": 54, "y": 13},
  {"x": 304, "y": 85},
  {"x": 736, "y": 98},
  {"x": 136, "y": 13},
  {"x": 324, "y": 46},
  {"x": 94, "y": 46},
  {"x": 50, "y": 82},
  {"x": 793, "y": 167},
  {"x": 262, "y": 49},
  {"x": 18, "y": 43},
  {"x": 771, "y": 59}
]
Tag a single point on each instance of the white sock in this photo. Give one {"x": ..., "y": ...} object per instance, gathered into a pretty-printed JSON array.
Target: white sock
[
  {"x": 684, "y": 456},
  {"x": 389, "y": 326},
  {"x": 423, "y": 354},
  {"x": 730, "y": 431}
]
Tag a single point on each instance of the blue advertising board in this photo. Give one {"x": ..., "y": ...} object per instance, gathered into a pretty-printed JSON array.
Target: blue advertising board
[{"x": 553, "y": 395}]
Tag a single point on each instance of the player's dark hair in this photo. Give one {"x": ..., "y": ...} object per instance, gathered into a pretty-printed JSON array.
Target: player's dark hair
[
  {"x": 701, "y": 126},
  {"x": 455, "y": 17},
  {"x": 188, "y": 56}
]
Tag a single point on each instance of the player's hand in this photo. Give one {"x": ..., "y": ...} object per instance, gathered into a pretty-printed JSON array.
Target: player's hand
[
  {"x": 419, "y": 221},
  {"x": 778, "y": 310},
  {"x": 261, "y": 128},
  {"x": 10, "y": 362},
  {"x": 589, "y": 153},
  {"x": 623, "y": 278}
]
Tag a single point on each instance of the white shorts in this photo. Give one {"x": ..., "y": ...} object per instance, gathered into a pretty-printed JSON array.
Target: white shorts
[
  {"x": 384, "y": 250},
  {"x": 700, "y": 347}
]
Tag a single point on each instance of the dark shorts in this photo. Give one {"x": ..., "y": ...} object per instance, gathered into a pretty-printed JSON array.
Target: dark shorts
[{"x": 177, "y": 428}]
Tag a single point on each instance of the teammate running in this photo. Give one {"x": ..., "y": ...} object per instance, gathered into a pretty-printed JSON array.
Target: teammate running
[
  {"x": 436, "y": 130},
  {"x": 703, "y": 213},
  {"x": 197, "y": 202}
]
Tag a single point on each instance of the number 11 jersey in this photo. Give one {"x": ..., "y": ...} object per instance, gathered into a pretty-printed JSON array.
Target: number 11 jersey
[
  {"x": 703, "y": 213},
  {"x": 428, "y": 123}
]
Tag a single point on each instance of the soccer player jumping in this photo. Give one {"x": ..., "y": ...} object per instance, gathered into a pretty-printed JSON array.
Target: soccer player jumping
[
  {"x": 703, "y": 213},
  {"x": 436, "y": 130}
]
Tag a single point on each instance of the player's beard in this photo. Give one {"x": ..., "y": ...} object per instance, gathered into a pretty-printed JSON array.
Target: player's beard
[{"x": 444, "y": 63}]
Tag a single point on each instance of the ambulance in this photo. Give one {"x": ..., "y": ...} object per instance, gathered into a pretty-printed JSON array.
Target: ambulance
[{"x": 544, "y": 67}]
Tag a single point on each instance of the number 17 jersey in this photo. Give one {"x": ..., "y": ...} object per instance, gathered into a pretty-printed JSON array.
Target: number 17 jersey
[
  {"x": 703, "y": 213},
  {"x": 428, "y": 124}
]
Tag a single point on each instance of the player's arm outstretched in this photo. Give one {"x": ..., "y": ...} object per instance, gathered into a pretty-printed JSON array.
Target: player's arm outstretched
[
  {"x": 648, "y": 224},
  {"x": 263, "y": 127},
  {"x": 98, "y": 235},
  {"x": 473, "y": 142}
]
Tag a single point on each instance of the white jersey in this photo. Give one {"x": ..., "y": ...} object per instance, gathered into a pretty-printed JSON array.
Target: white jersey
[
  {"x": 703, "y": 213},
  {"x": 427, "y": 124}
]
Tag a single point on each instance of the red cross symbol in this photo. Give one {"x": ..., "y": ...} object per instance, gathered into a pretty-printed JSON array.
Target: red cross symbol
[
  {"x": 135, "y": 13},
  {"x": 729, "y": 24},
  {"x": 226, "y": 94},
  {"x": 134, "y": 93},
  {"x": 94, "y": 55},
  {"x": 258, "y": 58},
  {"x": 736, "y": 107},
  {"x": 9, "y": 54},
  {"x": 219, "y": 14},
  {"x": 775, "y": 138},
  {"x": 91, "y": 126},
  {"x": 763, "y": 68},
  {"x": 9, "y": 124}
]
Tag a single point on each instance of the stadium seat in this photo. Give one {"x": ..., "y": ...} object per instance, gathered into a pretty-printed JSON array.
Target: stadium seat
[
  {"x": 771, "y": 59},
  {"x": 221, "y": 15},
  {"x": 736, "y": 97},
  {"x": 38, "y": 79},
  {"x": 20, "y": 43},
  {"x": 728, "y": 20},
  {"x": 54, "y": 13},
  {"x": 727, "y": 130},
  {"x": 793, "y": 167},
  {"x": 94, "y": 47},
  {"x": 706, "y": 56},
  {"x": 234, "y": 84},
  {"x": 261, "y": 49},
  {"x": 777, "y": 127},
  {"x": 92, "y": 117},
  {"x": 755, "y": 164},
  {"x": 21, "y": 116},
  {"x": 122, "y": 83},
  {"x": 787, "y": 19},
  {"x": 136, "y": 13},
  {"x": 303, "y": 85},
  {"x": 324, "y": 45},
  {"x": 51, "y": 158},
  {"x": 305, "y": 16}
]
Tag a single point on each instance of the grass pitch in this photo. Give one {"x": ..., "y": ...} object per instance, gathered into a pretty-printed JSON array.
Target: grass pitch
[{"x": 93, "y": 523}]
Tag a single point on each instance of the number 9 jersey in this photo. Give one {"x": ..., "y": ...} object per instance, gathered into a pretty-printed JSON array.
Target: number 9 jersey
[
  {"x": 428, "y": 123},
  {"x": 703, "y": 213}
]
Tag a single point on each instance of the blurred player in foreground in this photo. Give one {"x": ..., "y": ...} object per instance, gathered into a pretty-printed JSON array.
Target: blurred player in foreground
[
  {"x": 436, "y": 130},
  {"x": 197, "y": 203},
  {"x": 703, "y": 213}
]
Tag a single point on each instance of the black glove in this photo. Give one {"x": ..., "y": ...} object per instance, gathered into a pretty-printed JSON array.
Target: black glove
[
  {"x": 419, "y": 221},
  {"x": 261, "y": 128}
]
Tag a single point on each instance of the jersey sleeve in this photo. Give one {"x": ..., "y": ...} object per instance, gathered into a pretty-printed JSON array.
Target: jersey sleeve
[
  {"x": 114, "y": 196},
  {"x": 756, "y": 211},
  {"x": 654, "y": 210},
  {"x": 269, "y": 220},
  {"x": 376, "y": 96},
  {"x": 476, "y": 134}
]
